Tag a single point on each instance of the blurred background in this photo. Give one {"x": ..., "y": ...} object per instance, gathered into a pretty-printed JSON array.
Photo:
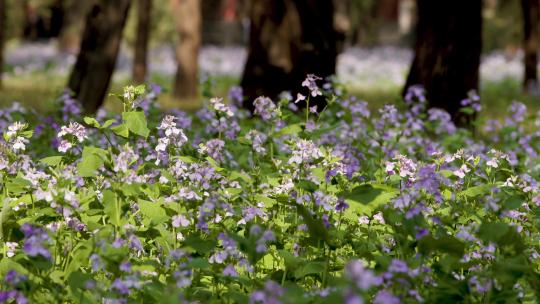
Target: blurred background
[{"x": 193, "y": 48}]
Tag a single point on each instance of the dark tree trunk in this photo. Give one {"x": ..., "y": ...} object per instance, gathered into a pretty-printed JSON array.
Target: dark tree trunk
[
  {"x": 531, "y": 18},
  {"x": 69, "y": 38},
  {"x": 288, "y": 40},
  {"x": 188, "y": 23},
  {"x": 140, "y": 65},
  {"x": 2, "y": 36},
  {"x": 100, "y": 44},
  {"x": 447, "y": 53}
]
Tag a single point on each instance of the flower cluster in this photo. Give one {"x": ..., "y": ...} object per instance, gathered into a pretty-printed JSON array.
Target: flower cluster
[{"x": 356, "y": 205}]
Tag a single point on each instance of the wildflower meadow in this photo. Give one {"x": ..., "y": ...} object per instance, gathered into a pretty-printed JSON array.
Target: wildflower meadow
[{"x": 344, "y": 204}]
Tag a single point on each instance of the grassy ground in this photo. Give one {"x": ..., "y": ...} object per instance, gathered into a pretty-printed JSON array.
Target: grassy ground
[{"x": 39, "y": 90}]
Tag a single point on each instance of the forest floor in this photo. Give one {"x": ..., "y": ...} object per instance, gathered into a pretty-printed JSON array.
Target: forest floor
[{"x": 37, "y": 73}]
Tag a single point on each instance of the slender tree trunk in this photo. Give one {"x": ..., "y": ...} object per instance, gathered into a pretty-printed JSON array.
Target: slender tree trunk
[
  {"x": 140, "y": 64},
  {"x": 531, "y": 18},
  {"x": 2, "y": 37},
  {"x": 70, "y": 35},
  {"x": 288, "y": 40},
  {"x": 447, "y": 53},
  {"x": 100, "y": 44},
  {"x": 188, "y": 24}
]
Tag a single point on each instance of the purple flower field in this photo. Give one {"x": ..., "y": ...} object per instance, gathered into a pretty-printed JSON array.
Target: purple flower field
[{"x": 343, "y": 205}]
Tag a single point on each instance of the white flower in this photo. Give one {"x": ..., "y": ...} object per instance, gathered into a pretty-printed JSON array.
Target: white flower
[
  {"x": 173, "y": 135},
  {"x": 299, "y": 97},
  {"x": 64, "y": 146},
  {"x": 75, "y": 129},
  {"x": 363, "y": 220},
  {"x": 219, "y": 106},
  {"x": 11, "y": 247},
  {"x": 492, "y": 163},
  {"x": 389, "y": 167},
  {"x": 180, "y": 221},
  {"x": 19, "y": 143},
  {"x": 162, "y": 144},
  {"x": 462, "y": 171},
  {"x": 15, "y": 128},
  {"x": 379, "y": 218}
]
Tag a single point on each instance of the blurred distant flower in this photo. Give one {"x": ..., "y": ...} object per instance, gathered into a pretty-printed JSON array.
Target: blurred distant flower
[
  {"x": 35, "y": 239},
  {"x": 265, "y": 108}
]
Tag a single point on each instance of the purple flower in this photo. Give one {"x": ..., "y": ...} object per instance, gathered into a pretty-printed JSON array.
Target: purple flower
[
  {"x": 35, "y": 239},
  {"x": 269, "y": 295},
  {"x": 265, "y": 108},
  {"x": 7, "y": 296},
  {"x": 385, "y": 297},
  {"x": 341, "y": 205},
  {"x": 13, "y": 278},
  {"x": 311, "y": 83},
  {"x": 230, "y": 271},
  {"x": 362, "y": 278},
  {"x": 125, "y": 267},
  {"x": 398, "y": 266},
  {"x": 183, "y": 278},
  {"x": 180, "y": 221},
  {"x": 351, "y": 298},
  {"x": 96, "y": 262},
  {"x": 421, "y": 233},
  {"x": 213, "y": 149}
]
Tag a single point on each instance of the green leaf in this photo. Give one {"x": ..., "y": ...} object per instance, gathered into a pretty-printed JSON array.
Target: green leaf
[
  {"x": 514, "y": 201},
  {"x": 493, "y": 232},
  {"x": 316, "y": 228},
  {"x": 477, "y": 190},
  {"x": 51, "y": 161},
  {"x": 199, "y": 244},
  {"x": 112, "y": 207},
  {"x": 308, "y": 185},
  {"x": 309, "y": 269},
  {"x": 108, "y": 123},
  {"x": 447, "y": 244},
  {"x": 291, "y": 262},
  {"x": 152, "y": 211},
  {"x": 214, "y": 164},
  {"x": 17, "y": 185},
  {"x": 27, "y": 134},
  {"x": 135, "y": 121},
  {"x": 289, "y": 130},
  {"x": 92, "y": 160},
  {"x": 198, "y": 263},
  {"x": 369, "y": 194},
  {"x": 91, "y": 121},
  {"x": 78, "y": 279},
  {"x": 121, "y": 130},
  {"x": 268, "y": 202}
]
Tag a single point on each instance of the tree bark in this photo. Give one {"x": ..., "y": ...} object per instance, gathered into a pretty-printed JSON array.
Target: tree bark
[
  {"x": 90, "y": 77},
  {"x": 447, "y": 53},
  {"x": 70, "y": 35},
  {"x": 288, "y": 40},
  {"x": 140, "y": 64},
  {"x": 2, "y": 37},
  {"x": 188, "y": 24},
  {"x": 531, "y": 18}
]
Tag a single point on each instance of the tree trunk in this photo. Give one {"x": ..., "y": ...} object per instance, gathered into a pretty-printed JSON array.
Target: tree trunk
[
  {"x": 447, "y": 53},
  {"x": 188, "y": 24},
  {"x": 288, "y": 40},
  {"x": 531, "y": 18},
  {"x": 69, "y": 38},
  {"x": 90, "y": 77},
  {"x": 140, "y": 65},
  {"x": 2, "y": 36}
]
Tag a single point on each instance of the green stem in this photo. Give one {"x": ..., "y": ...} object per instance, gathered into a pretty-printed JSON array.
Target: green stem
[{"x": 5, "y": 206}]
